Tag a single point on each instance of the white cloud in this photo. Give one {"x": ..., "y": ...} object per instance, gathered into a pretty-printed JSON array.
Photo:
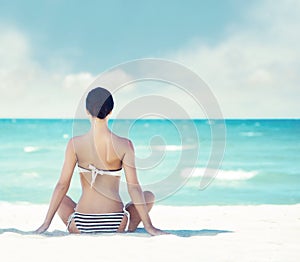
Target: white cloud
[
  {"x": 14, "y": 48},
  {"x": 73, "y": 80},
  {"x": 29, "y": 90},
  {"x": 254, "y": 71}
]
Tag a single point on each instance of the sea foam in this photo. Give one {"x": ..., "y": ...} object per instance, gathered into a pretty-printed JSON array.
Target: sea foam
[
  {"x": 221, "y": 174},
  {"x": 30, "y": 149}
]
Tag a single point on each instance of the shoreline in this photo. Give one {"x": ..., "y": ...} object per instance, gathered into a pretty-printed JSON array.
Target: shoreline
[{"x": 208, "y": 233}]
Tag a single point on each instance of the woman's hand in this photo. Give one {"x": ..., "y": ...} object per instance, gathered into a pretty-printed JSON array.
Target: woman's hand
[
  {"x": 155, "y": 231},
  {"x": 42, "y": 228}
]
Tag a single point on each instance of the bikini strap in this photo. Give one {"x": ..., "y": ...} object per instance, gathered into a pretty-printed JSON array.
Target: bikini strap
[
  {"x": 128, "y": 218},
  {"x": 70, "y": 220}
]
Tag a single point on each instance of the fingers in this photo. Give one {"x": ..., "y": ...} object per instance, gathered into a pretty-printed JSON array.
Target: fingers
[{"x": 41, "y": 229}]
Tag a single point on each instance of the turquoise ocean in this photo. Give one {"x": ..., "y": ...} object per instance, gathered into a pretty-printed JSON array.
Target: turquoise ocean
[{"x": 261, "y": 163}]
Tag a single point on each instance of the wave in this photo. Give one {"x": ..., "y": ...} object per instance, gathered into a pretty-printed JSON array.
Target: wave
[
  {"x": 229, "y": 175},
  {"x": 167, "y": 147},
  {"x": 30, "y": 149},
  {"x": 30, "y": 174},
  {"x": 250, "y": 133},
  {"x": 66, "y": 136}
]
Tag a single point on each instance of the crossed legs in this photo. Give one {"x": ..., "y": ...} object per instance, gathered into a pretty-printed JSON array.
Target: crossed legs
[{"x": 67, "y": 206}]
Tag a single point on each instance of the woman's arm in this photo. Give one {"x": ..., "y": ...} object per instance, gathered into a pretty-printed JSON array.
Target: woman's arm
[
  {"x": 135, "y": 190},
  {"x": 62, "y": 186}
]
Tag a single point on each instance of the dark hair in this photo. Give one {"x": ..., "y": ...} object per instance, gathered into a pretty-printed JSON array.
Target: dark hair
[{"x": 99, "y": 102}]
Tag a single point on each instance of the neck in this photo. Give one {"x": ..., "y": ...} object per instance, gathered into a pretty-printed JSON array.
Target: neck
[{"x": 99, "y": 125}]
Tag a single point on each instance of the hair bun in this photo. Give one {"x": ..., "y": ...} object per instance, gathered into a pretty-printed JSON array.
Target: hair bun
[
  {"x": 99, "y": 102},
  {"x": 102, "y": 114}
]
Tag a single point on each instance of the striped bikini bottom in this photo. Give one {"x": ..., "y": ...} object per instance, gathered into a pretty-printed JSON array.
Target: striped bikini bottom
[{"x": 98, "y": 223}]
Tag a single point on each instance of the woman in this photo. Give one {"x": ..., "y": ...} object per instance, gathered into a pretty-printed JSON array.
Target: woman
[{"x": 100, "y": 156}]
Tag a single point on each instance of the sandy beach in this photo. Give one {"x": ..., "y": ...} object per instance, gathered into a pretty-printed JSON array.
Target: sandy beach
[{"x": 204, "y": 233}]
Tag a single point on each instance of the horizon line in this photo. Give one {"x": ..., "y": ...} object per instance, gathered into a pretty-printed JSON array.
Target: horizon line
[{"x": 217, "y": 119}]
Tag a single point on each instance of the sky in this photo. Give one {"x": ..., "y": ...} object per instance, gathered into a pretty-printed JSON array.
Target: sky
[{"x": 247, "y": 53}]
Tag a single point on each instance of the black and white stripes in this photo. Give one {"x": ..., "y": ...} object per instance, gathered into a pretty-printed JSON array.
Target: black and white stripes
[{"x": 98, "y": 223}]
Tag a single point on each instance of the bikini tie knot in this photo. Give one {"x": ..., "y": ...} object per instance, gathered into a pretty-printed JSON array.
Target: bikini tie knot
[{"x": 95, "y": 172}]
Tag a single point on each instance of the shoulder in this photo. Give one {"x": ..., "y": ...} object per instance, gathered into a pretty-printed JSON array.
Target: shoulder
[
  {"x": 71, "y": 145},
  {"x": 74, "y": 143},
  {"x": 77, "y": 140},
  {"x": 124, "y": 142}
]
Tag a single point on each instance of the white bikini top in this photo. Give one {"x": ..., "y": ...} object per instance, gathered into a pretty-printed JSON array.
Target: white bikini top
[{"x": 95, "y": 171}]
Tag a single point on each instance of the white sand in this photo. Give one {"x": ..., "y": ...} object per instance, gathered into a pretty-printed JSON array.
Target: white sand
[{"x": 209, "y": 233}]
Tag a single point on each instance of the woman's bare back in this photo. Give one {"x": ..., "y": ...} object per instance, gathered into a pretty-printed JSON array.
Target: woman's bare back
[{"x": 104, "y": 151}]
